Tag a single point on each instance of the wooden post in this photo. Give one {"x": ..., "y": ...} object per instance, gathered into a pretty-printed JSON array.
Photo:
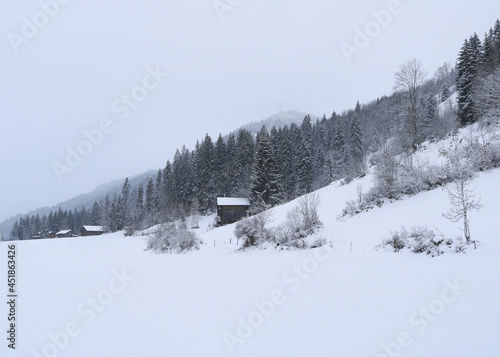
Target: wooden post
[
  {"x": 351, "y": 247},
  {"x": 214, "y": 242}
]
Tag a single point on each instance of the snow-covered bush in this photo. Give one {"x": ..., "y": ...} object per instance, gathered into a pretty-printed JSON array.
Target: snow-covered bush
[
  {"x": 169, "y": 238},
  {"x": 422, "y": 240},
  {"x": 302, "y": 221},
  {"x": 404, "y": 179},
  {"x": 253, "y": 230}
]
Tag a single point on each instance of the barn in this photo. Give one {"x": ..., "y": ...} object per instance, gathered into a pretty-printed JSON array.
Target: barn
[
  {"x": 91, "y": 230},
  {"x": 232, "y": 209},
  {"x": 65, "y": 233}
]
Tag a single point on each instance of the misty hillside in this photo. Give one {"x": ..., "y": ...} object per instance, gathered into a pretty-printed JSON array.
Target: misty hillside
[
  {"x": 278, "y": 120},
  {"x": 113, "y": 189}
]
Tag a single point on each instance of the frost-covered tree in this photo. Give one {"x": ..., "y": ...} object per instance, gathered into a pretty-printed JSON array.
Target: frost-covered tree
[
  {"x": 355, "y": 143},
  {"x": 340, "y": 154},
  {"x": 231, "y": 166},
  {"x": 460, "y": 168},
  {"x": 287, "y": 165},
  {"x": 149, "y": 204},
  {"x": 408, "y": 81},
  {"x": 305, "y": 168},
  {"x": 205, "y": 180},
  {"x": 245, "y": 152},
  {"x": 488, "y": 96},
  {"x": 219, "y": 169},
  {"x": 139, "y": 204},
  {"x": 265, "y": 184},
  {"x": 445, "y": 93},
  {"x": 467, "y": 69},
  {"x": 95, "y": 216}
]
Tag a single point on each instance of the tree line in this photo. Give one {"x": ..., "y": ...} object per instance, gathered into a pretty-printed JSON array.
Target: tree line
[{"x": 478, "y": 79}]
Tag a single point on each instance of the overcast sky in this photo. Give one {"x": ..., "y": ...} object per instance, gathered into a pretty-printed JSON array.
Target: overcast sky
[{"x": 101, "y": 67}]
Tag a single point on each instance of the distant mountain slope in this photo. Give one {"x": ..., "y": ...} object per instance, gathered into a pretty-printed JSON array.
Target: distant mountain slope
[
  {"x": 84, "y": 200},
  {"x": 278, "y": 120}
]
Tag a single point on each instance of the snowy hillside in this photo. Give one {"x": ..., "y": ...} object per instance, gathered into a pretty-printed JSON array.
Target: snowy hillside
[{"x": 107, "y": 296}]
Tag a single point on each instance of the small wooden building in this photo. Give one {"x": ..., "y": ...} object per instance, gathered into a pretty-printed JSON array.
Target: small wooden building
[
  {"x": 65, "y": 233},
  {"x": 91, "y": 231},
  {"x": 232, "y": 209}
]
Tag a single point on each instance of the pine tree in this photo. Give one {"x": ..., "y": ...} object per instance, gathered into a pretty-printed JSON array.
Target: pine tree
[
  {"x": 489, "y": 54},
  {"x": 158, "y": 197},
  {"x": 306, "y": 129},
  {"x": 168, "y": 188},
  {"x": 265, "y": 186},
  {"x": 445, "y": 93},
  {"x": 467, "y": 67},
  {"x": 355, "y": 142},
  {"x": 287, "y": 165},
  {"x": 430, "y": 117},
  {"x": 304, "y": 168},
  {"x": 149, "y": 206},
  {"x": 219, "y": 169},
  {"x": 123, "y": 214},
  {"x": 205, "y": 181},
  {"x": 340, "y": 155},
  {"x": 95, "y": 216},
  {"x": 139, "y": 204},
  {"x": 245, "y": 152}
]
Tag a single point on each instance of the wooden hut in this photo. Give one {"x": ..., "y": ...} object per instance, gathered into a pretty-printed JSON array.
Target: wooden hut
[{"x": 232, "y": 209}]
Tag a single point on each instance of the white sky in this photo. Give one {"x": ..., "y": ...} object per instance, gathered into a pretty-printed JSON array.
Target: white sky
[{"x": 264, "y": 56}]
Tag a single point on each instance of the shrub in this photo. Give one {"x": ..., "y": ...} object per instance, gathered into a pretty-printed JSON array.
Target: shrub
[
  {"x": 422, "y": 240},
  {"x": 253, "y": 230},
  {"x": 302, "y": 221},
  {"x": 168, "y": 238}
]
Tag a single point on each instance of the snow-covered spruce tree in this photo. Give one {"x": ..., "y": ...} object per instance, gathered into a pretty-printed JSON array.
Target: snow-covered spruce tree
[
  {"x": 95, "y": 216},
  {"x": 304, "y": 168},
  {"x": 430, "y": 118},
  {"x": 265, "y": 185},
  {"x": 460, "y": 168},
  {"x": 355, "y": 143},
  {"x": 205, "y": 183},
  {"x": 139, "y": 208},
  {"x": 149, "y": 205},
  {"x": 340, "y": 154},
  {"x": 488, "y": 94},
  {"x": 287, "y": 165},
  {"x": 123, "y": 214},
  {"x": 245, "y": 150},
  {"x": 445, "y": 93},
  {"x": 183, "y": 180},
  {"x": 231, "y": 185},
  {"x": 220, "y": 173},
  {"x": 467, "y": 68},
  {"x": 168, "y": 188}
]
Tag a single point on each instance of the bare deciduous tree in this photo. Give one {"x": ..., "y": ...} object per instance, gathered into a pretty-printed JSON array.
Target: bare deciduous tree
[
  {"x": 408, "y": 80},
  {"x": 460, "y": 167}
]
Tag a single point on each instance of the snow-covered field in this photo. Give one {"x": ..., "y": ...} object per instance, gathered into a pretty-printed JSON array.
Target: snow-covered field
[{"x": 106, "y": 296}]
